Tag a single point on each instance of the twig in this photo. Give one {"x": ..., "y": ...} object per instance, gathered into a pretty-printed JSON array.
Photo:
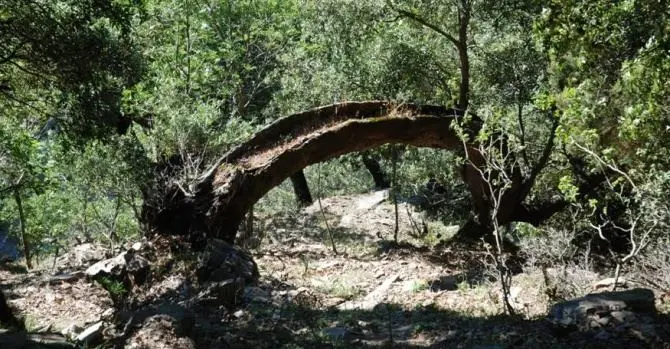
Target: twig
[{"x": 323, "y": 213}]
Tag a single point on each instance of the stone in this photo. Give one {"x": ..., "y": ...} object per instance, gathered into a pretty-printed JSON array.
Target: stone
[
  {"x": 107, "y": 314},
  {"x": 603, "y": 321},
  {"x": 336, "y": 333},
  {"x": 91, "y": 335},
  {"x": 181, "y": 319},
  {"x": 227, "y": 293},
  {"x": 127, "y": 267},
  {"x": 603, "y": 335},
  {"x": 444, "y": 283},
  {"x": 163, "y": 330},
  {"x": 373, "y": 298},
  {"x": 646, "y": 332},
  {"x": 239, "y": 314},
  {"x": 577, "y": 312},
  {"x": 80, "y": 256},
  {"x": 623, "y": 316},
  {"x": 428, "y": 303},
  {"x": 71, "y": 331},
  {"x": 221, "y": 261},
  {"x": 255, "y": 294},
  {"x": 609, "y": 283}
]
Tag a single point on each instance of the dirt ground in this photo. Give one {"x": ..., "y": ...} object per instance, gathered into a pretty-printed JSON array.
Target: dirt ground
[{"x": 372, "y": 293}]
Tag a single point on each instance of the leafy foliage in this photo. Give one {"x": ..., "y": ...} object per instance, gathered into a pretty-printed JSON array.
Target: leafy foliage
[{"x": 96, "y": 95}]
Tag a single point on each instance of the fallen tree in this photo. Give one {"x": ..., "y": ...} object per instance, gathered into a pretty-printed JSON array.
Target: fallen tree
[{"x": 215, "y": 205}]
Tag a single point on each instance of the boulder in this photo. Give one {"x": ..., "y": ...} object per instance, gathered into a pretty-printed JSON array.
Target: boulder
[
  {"x": 221, "y": 261},
  {"x": 80, "y": 256},
  {"x": 598, "y": 309},
  {"x": 128, "y": 267}
]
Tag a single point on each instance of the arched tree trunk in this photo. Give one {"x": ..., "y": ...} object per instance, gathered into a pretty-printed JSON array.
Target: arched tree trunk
[{"x": 218, "y": 202}]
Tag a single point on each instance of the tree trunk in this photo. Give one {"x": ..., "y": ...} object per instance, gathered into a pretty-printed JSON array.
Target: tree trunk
[
  {"x": 228, "y": 189},
  {"x": 24, "y": 235},
  {"x": 375, "y": 169},
  {"x": 301, "y": 189}
]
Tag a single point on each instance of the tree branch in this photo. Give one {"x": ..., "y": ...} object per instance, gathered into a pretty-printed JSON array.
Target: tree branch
[
  {"x": 544, "y": 159},
  {"x": 427, "y": 24}
]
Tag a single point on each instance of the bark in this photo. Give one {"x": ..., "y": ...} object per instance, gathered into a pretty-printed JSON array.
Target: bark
[
  {"x": 24, "y": 234},
  {"x": 375, "y": 169},
  {"x": 240, "y": 178},
  {"x": 462, "y": 46},
  {"x": 301, "y": 189}
]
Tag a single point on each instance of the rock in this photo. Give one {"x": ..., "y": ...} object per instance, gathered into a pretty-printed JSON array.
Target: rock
[
  {"x": 65, "y": 277},
  {"x": 161, "y": 331},
  {"x": 80, "y": 256},
  {"x": 71, "y": 331},
  {"x": 282, "y": 334},
  {"x": 609, "y": 283},
  {"x": 91, "y": 336},
  {"x": 336, "y": 333},
  {"x": 645, "y": 332},
  {"x": 221, "y": 261},
  {"x": 603, "y": 321},
  {"x": 444, "y": 283},
  {"x": 34, "y": 341},
  {"x": 255, "y": 294},
  {"x": 623, "y": 316},
  {"x": 603, "y": 335},
  {"x": 239, "y": 314},
  {"x": 107, "y": 314},
  {"x": 367, "y": 202},
  {"x": 578, "y": 312},
  {"x": 227, "y": 293},
  {"x": 373, "y": 298},
  {"x": 129, "y": 267},
  {"x": 182, "y": 320}
]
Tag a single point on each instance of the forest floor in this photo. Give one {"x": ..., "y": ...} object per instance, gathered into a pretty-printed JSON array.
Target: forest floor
[{"x": 372, "y": 293}]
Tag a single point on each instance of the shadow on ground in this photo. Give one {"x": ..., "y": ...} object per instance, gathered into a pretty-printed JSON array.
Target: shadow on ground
[{"x": 297, "y": 325}]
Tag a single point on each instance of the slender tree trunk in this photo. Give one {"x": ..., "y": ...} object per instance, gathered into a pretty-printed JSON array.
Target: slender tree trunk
[
  {"x": 375, "y": 169},
  {"x": 22, "y": 221},
  {"x": 394, "y": 193},
  {"x": 301, "y": 189},
  {"x": 249, "y": 224}
]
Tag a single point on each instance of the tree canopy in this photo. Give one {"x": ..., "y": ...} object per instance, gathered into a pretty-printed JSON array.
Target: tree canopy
[{"x": 107, "y": 105}]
